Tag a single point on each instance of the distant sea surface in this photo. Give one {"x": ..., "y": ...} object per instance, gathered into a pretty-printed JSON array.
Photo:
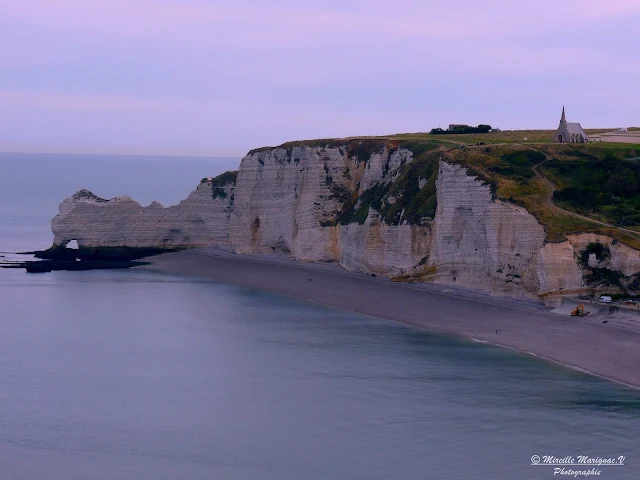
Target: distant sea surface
[{"x": 136, "y": 375}]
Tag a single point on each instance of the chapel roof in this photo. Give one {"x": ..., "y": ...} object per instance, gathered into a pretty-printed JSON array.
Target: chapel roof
[{"x": 575, "y": 129}]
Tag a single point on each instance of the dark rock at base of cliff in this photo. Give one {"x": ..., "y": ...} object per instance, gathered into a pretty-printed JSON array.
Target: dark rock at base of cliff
[
  {"x": 42, "y": 266},
  {"x": 100, "y": 254},
  {"x": 84, "y": 258}
]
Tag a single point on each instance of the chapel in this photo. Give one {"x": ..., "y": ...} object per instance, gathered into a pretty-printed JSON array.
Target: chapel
[{"x": 569, "y": 132}]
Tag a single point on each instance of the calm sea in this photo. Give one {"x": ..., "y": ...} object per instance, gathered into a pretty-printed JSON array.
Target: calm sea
[{"x": 134, "y": 375}]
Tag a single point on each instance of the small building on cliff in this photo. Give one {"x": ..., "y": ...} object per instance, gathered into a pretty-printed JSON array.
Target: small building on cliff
[{"x": 569, "y": 132}]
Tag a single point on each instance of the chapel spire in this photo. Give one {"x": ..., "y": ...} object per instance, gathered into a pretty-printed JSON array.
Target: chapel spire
[{"x": 563, "y": 119}]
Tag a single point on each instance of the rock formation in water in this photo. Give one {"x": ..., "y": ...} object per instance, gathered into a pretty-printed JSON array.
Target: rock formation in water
[
  {"x": 201, "y": 219},
  {"x": 371, "y": 207}
]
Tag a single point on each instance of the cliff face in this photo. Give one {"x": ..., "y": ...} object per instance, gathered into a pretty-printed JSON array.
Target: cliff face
[
  {"x": 390, "y": 250},
  {"x": 292, "y": 200},
  {"x": 481, "y": 242},
  {"x": 557, "y": 269},
  {"x": 283, "y": 196},
  {"x": 491, "y": 244},
  {"x": 199, "y": 220},
  {"x": 375, "y": 209}
]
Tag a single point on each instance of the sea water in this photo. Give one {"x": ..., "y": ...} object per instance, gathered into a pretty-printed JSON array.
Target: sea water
[{"x": 138, "y": 375}]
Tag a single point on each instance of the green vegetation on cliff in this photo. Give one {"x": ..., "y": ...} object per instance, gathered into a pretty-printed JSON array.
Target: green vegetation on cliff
[
  {"x": 410, "y": 196},
  {"x": 605, "y": 185},
  {"x": 219, "y": 183}
]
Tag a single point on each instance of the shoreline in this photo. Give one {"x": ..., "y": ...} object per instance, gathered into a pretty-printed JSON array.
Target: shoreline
[{"x": 607, "y": 350}]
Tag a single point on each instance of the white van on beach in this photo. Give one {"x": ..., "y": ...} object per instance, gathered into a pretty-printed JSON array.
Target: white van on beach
[{"x": 604, "y": 299}]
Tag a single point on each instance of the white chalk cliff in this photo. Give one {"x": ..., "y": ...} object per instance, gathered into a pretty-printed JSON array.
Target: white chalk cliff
[
  {"x": 289, "y": 200},
  {"x": 314, "y": 203}
]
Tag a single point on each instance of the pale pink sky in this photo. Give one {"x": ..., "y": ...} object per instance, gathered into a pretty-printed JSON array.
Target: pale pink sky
[{"x": 219, "y": 78}]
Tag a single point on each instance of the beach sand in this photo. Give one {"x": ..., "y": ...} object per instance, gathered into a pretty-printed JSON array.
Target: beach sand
[{"x": 610, "y": 350}]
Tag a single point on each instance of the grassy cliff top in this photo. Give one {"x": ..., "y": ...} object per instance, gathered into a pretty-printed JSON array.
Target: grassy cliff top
[
  {"x": 522, "y": 137},
  {"x": 506, "y": 136},
  {"x": 568, "y": 188}
]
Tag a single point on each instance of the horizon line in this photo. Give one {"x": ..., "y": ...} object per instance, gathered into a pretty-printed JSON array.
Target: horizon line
[{"x": 121, "y": 153}]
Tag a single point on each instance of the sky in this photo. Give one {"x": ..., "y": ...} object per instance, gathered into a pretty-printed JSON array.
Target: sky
[{"x": 210, "y": 77}]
